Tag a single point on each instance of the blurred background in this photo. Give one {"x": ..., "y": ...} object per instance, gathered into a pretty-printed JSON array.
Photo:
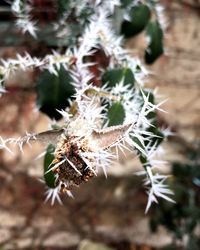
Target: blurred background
[{"x": 106, "y": 213}]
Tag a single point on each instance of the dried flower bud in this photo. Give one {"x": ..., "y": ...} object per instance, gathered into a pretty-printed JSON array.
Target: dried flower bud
[{"x": 77, "y": 159}]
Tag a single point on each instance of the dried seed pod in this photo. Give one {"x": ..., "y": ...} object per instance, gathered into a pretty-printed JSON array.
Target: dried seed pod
[
  {"x": 71, "y": 169},
  {"x": 78, "y": 157}
]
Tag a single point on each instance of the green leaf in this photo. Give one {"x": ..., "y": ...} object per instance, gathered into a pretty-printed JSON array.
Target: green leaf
[
  {"x": 125, "y": 3},
  {"x": 63, "y": 6},
  {"x": 114, "y": 76},
  {"x": 53, "y": 92},
  {"x": 139, "y": 17},
  {"x": 116, "y": 114},
  {"x": 49, "y": 177},
  {"x": 155, "y": 47}
]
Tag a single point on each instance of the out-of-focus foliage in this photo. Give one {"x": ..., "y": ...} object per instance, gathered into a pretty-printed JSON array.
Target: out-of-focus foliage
[
  {"x": 143, "y": 17},
  {"x": 182, "y": 219},
  {"x": 53, "y": 92},
  {"x": 155, "y": 46},
  {"x": 113, "y": 76},
  {"x": 139, "y": 18}
]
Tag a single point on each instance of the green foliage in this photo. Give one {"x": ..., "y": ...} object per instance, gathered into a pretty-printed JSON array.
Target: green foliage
[
  {"x": 63, "y": 6},
  {"x": 139, "y": 17},
  {"x": 75, "y": 22},
  {"x": 116, "y": 114},
  {"x": 183, "y": 217},
  {"x": 155, "y": 46},
  {"x": 126, "y": 3},
  {"x": 114, "y": 76},
  {"x": 140, "y": 20},
  {"x": 49, "y": 177},
  {"x": 53, "y": 92}
]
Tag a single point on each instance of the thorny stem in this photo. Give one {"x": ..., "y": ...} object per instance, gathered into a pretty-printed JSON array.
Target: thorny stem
[
  {"x": 28, "y": 63},
  {"x": 92, "y": 91},
  {"x": 101, "y": 93}
]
